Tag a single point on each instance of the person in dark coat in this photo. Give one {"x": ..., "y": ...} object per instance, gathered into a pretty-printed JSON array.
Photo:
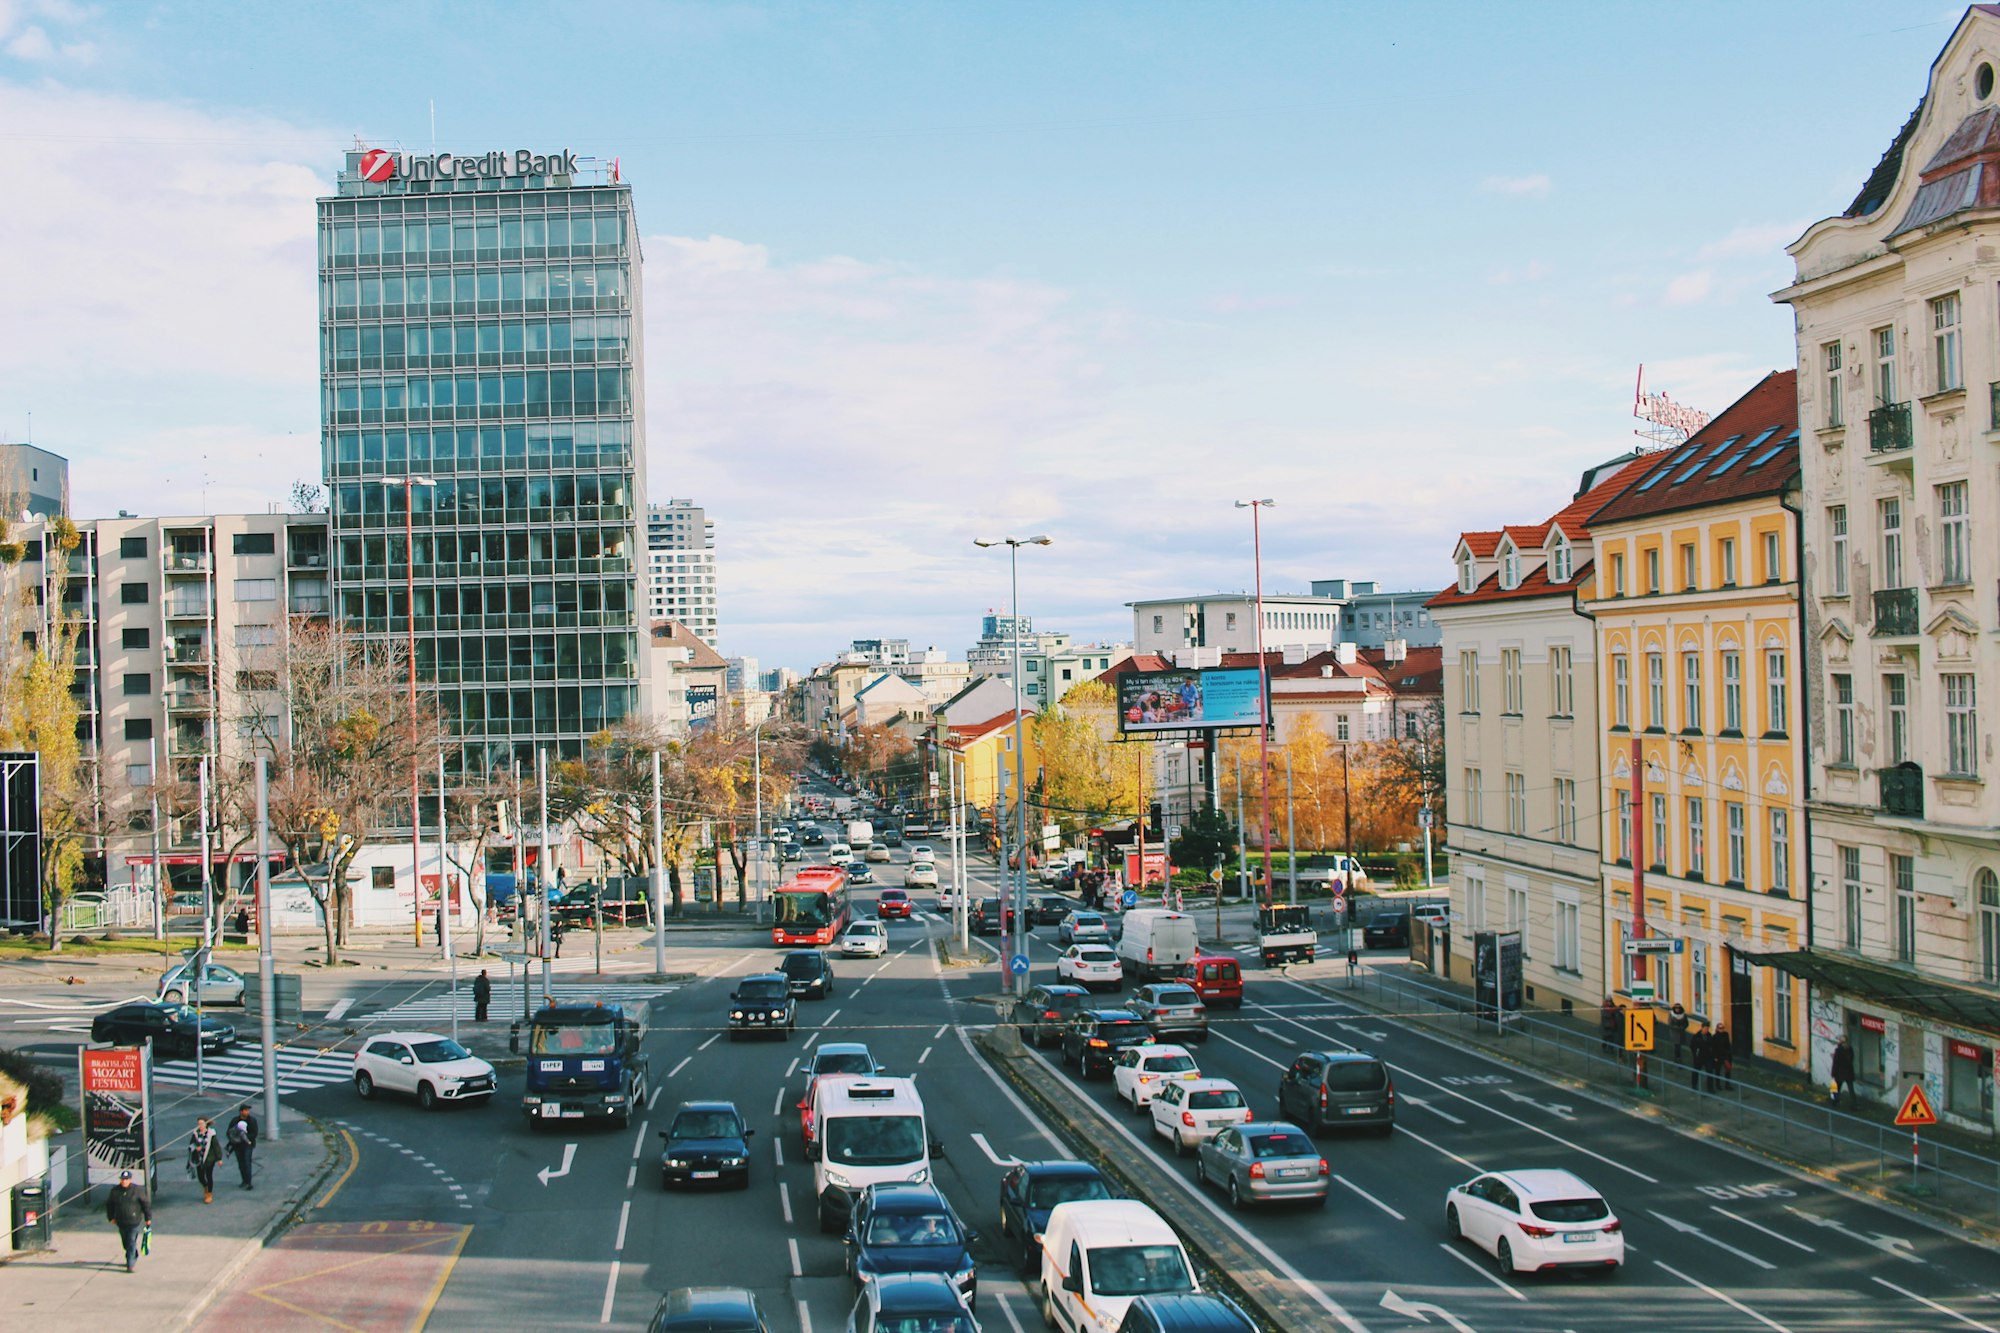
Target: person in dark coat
[
  {"x": 1843, "y": 1071},
  {"x": 242, "y": 1144},
  {"x": 1610, "y": 1027},
  {"x": 482, "y": 995},
  {"x": 243, "y": 922},
  {"x": 1721, "y": 1059},
  {"x": 1677, "y": 1024},
  {"x": 204, "y": 1155},
  {"x": 131, "y": 1212},
  {"x": 1697, "y": 1056}
]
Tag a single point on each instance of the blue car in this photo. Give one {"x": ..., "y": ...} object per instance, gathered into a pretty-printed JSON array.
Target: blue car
[
  {"x": 859, "y": 873},
  {"x": 910, "y": 1229},
  {"x": 1031, "y": 1190}
]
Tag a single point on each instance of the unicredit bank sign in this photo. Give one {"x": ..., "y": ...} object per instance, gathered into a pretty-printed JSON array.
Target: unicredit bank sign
[{"x": 381, "y": 165}]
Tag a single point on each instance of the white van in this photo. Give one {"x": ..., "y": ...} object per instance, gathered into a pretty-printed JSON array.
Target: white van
[
  {"x": 866, "y": 1131},
  {"x": 1098, "y": 1255},
  {"x": 840, "y": 854},
  {"x": 1157, "y": 943}
]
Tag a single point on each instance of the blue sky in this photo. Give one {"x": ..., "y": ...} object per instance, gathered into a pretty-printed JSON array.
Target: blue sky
[{"x": 921, "y": 272}]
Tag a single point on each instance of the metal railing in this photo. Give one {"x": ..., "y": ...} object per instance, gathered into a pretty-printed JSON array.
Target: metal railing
[
  {"x": 1889, "y": 428},
  {"x": 1895, "y": 612},
  {"x": 1902, "y": 790}
]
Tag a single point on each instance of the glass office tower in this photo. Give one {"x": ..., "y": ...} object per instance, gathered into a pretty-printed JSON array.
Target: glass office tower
[{"x": 480, "y": 328}]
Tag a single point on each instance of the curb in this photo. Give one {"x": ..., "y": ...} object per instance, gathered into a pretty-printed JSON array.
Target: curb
[{"x": 290, "y": 1210}]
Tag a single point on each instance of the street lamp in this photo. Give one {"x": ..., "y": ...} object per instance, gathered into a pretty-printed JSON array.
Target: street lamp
[
  {"x": 1018, "y": 940},
  {"x": 409, "y": 485},
  {"x": 1263, "y": 682}
]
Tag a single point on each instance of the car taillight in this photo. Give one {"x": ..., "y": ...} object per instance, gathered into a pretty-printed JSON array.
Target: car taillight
[
  {"x": 1324, "y": 1169},
  {"x": 1149, "y": 955},
  {"x": 1256, "y": 1170},
  {"x": 1539, "y": 1233},
  {"x": 1248, "y": 1117},
  {"x": 1613, "y": 1225},
  {"x": 1051, "y": 1014},
  {"x": 1099, "y": 1041},
  {"x": 1187, "y": 1118},
  {"x": 1322, "y": 1097},
  {"x": 1392, "y": 1094}
]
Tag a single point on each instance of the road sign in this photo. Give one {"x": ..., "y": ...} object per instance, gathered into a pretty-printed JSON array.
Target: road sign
[
  {"x": 1173, "y": 830},
  {"x": 1424, "y": 817},
  {"x": 1640, "y": 990},
  {"x": 1051, "y": 837},
  {"x": 1018, "y": 965},
  {"x": 1652, "y": 944},
  {"x": 1639, "y": 1029},
  {"x": 1916, "y": 1108}
]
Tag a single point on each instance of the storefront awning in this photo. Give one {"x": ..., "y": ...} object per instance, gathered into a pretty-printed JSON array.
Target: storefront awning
[{"x": 1893, "y": 988}]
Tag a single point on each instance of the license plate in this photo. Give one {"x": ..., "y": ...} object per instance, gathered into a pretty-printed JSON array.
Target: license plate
[
  {"x": 1293, "y": 1172},
  {"x": 1180, "y": 1013},
  {"x": 551, "y": 1112},
  {"x": 1359, "y": 1110},
  {"x": 707, "y": 1175},
  {"x": 1578, "y": 1237},
  {"x": 572, "y": 1115}
]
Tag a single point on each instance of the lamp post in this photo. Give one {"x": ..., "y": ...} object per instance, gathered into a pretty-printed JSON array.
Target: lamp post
[
  {"x": 1263, "y": 683},
  {"x": 1018, "y": 940},
  {"x": 409, "y": 485}
]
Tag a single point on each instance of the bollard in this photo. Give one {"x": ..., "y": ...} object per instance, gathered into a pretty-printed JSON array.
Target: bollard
[{"x": 514, "y": 1036}]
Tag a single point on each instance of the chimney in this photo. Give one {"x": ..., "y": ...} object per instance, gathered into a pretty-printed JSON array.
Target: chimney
[
  {"x": 1395, "y": 650},
  {"x": 1344, "y": 654},
  {"x": 1295, "y": 653},
  {"x": 1326, "y": 673}
]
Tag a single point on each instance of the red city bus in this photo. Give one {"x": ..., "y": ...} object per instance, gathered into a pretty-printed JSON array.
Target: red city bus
[{"x": 811, "y": 907}]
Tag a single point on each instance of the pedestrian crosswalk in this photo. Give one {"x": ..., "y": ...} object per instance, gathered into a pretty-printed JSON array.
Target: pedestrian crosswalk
[
  {"x": 438, "y": 1006},
  {"x": 240, "y": 1070}
]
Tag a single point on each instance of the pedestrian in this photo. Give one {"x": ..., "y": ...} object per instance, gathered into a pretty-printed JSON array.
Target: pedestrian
[
  {"x": 243, "y": 921},
  {"x": 204, "y": 1155},
  {"x": 556, "y": 932},
  {"x": 1721, "y": 1060},
  {"x": 1697, "y": 1056},
  {"x": 1677, "y": 1024},
  {"x": 1843, "y": 1071},
  {"x": 242, "y": 1145},
  {"x": 131, "y": 1212},
  {"x": 482, "y": 995},
  {"x": 1609, "y": 1026},
  {"x": 437, "y": 924}
]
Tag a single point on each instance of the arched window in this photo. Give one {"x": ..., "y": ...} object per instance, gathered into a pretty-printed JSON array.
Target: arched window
[
  {"x": 1510, "y": 567},
  {"x": 1560, "y": 564},
  {"x": 1465, "y": 574},
  {"x": 1987, "y": 886}
]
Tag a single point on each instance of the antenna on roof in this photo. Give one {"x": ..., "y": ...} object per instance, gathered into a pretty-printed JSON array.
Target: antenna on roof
[{"x": 1668, "y": 423}]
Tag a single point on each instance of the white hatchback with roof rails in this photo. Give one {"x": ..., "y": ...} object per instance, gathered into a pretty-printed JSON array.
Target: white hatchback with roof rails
[{"x": 1530, "y": 1221}]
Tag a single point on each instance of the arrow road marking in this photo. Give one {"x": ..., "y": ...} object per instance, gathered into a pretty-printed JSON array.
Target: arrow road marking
[
  {"x": 1268, "y": 1032},
  {"x": 1418, "y": 1101},
  {"x": 340, "y": 1006},
  {"x": 1365, "y": 1032},
  {"x": 1422, "y": 1311},
  {"x": 1941, "y": 1309},
  {"x": 997, "y": 1159},
  {"x": 1895, "y": 1245},
  {"x": 569, "y": 1155},
  {"x": 1690, "y": 1229},
  {"x": 1557, "y": 1109},
  {"x": 1774, "y": 1235}
]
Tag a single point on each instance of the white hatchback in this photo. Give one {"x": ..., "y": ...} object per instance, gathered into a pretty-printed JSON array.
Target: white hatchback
[
  {"x": 1530, "y": 1221},
  {"x": 1091, "y": 966},
  {"x": 865, "y": 939},
  {"x": 1137, "y": 1072},
  {"x": 1192, "y": 1110},
  {"x": 921, "y": 875},
  {"x": 431, "y": 1068}
]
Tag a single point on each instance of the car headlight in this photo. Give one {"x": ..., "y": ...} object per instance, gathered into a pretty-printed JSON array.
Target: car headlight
[
  {"x": 921, "y": 1176},
  {"x": 736, "y": 1013},
  {"x": 836, "y": 1179},
  {"x": 777, "y": 1013},
  {"x": 734, "y": 1161},
  {"x": 677, "y": 1162}
]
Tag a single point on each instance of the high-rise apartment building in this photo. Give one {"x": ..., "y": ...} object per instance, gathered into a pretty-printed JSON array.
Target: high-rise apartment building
[
  {"x": 482, "y": 387},
  {"x": 33, "y": 480},
  {"x": 680, "y": 558}
]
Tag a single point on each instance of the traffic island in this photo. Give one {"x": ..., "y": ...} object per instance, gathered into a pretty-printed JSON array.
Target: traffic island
[{"x": 1227, "y": 1264}]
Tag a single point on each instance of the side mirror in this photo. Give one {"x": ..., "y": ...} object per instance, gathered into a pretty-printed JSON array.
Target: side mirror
[
  {"x": 663, "y": 1136},
  {"x": 749, "y": 1133},
  {"x": 812, "y": 1151},
  {"x": 937, "y": 1147}
]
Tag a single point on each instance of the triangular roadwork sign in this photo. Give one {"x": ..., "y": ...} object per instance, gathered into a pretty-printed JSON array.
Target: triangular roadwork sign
[{"x": 1916, "y": 1108}]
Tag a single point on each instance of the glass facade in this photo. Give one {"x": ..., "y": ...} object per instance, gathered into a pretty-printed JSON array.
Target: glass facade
[{"x": 485, "y": 333}]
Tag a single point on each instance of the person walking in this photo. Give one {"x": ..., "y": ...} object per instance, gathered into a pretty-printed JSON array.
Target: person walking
[
  {"x": 1677, "y": 1025},
  {"x": 1609, "y": 1028},
  {"x": 204, "y": 1155},
  {"x": 1843, "y": 1071},
  {"x": 482, "y": 995},
  {"x": 131, "y": 1212},
  {"x": 242, "y": 1145},
  {"x": 1697, "y": 1056},
  {"x": 1721, "y": 1060}
]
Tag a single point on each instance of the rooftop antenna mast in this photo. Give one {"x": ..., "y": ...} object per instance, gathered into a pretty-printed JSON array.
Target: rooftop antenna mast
[{"x": 1668, "y": 423}]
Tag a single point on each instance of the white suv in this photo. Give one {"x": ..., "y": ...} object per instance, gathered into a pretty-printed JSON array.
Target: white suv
[{"x": 429, "y": 1067}]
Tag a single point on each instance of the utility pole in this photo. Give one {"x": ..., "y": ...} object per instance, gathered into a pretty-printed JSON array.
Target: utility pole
[
  {"x": 542, "y": 860},
  {"x": 159, "y": 869},
  {"x": 1256, "y": 508},
  {"x": 1242, "y": 843},
  {"x": 659, "y": 877},
  {"x": 1291, "y": 837},
  {"x": 445, "y": 898},
  {"x": 267, "y": 998}
]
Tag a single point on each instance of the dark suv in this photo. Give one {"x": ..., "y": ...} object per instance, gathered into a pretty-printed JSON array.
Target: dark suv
[
  {"x": 763, "y": 1003},
  {"x": 808, "y": 973},
  {"x": 991, "y": 918},
  {"x": 1095, "y": 1036},
  {"x": 1338, "y": 1089},
  {"x": 1043, "y": 1012},
  {"x": 1387, "y": 930}
]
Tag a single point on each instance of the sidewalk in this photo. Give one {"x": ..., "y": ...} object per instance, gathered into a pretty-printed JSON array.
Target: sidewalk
[{"x": 197, "y": 1248}]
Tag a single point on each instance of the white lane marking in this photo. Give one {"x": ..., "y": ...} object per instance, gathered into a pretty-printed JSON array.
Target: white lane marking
[
  {"x": 1421, "y": 1311},
  {"x": 1041, "y": 1127},
  {"x": 1507, "y": 1287},
  {"x": 798, "y": 1270},
  {"x": 778, "y": 1148},
  {"x": 805, "y": 1319},
  {"x": 1371, "y": 1198},
  {"x": 340, "y": 1006},
  {"x": 677, "y": 1069},
  {"x": 624, "y": 1216},
  {"x": 827, "y": 1022},
  {"x": 639, "y": 1139},
  {"x": 810, "y": 1039},
  {"x": 997, "y": 1159},
  {"x": 880, "y": 970},
  {"x": 631, "y": 1175},
  {"x": 1888, "y": 1244},
  {"x": 939, "y": 1032},
  {"x": 1724, "y": 1297},
  {"x": 653, "y": 1097},
  {"x": 1690, "y": 1229},
  {"x": 785, "y": 1200},
  {"x": 569, "y": 1155},
  {"x": 1754, "y": 1226},
  {"x": 610, "y": 1293},
  {"x": 1007, "y": 1308},
  {"x": 778, "y": 1107},
  {"x": 792, "y": 1068},
  {"x": 1418, "y": 1101},
  {"x": 925, "y": 1056},
  {"x": 1941, "y": 1309},
  {"x": 712, "y": 1038}
]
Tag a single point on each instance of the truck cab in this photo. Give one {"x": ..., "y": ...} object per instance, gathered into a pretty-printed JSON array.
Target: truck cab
[
  {"x": 1285, "y": 934},
  {"x": 586, "y": 1062}
]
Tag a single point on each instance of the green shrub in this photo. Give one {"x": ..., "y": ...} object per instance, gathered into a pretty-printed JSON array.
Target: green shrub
[{"x": 45, "y": 1085}]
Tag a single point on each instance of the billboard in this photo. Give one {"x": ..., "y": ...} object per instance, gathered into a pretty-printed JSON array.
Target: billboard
[
  {"x": 20, "y": 839},
  {"x": 1496, "y": 974},
  {"x": 117, "y": 1089},
  {"x": 1181, "y": 700},
  {"x": 700, "y": 706}
]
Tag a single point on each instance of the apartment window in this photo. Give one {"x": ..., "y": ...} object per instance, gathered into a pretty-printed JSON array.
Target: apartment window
[
  {"x": 1781, "y": 851},
  {"x": 1621, "y": 690},
  {"x": 1690, "y": 579},
  {"x": 1517, "y": 911},
  {"x": 256, "y": 590},
  {"x": 1774, "y": 560},
  {"x": 135, "y": 639},
  {"x": 1850, "y": 897},
  {"x": 1944, "y": 341},
  {"x": 134, "y": 594},
  {"x": 1896, "y": 707},
  {"x": 1903, "y": 874},
  {"x": 1961, "y": 727},
  {"x": 1739, "y": 841},
  {"x": 1517, "y": 803},
  {"x": 1732, "y": 693},
  {"x": 1565, "y": 790},
  {"x": 1843, "y": 719},
  {"x": 254, "y": 543},
  {"x": 1467, "y": 579},
  {"x": 1656, "y": 691},
  {"x": 1954, "y": 534},
  {"x": 1341, "y": 727},
  {"x": 1784, "y": 1001},
  {"x": 1159, "y": 624},
  {"x": 1697, "y": 822},
  {"x": 1562, "y": 682},
  {"x": 1511, "y": 688},
  {"x": 1988, "y": 885},
  {"x": 1569, "y": 936},
  {"x": 132, "y": 548},
  {"x": 1625, "y": 826},
  {"x": 1836, "y": 553},
  {"x": 1510, "y": 568},
  {"x": 1829, "y": 359},
  {"x": 1885, "y": 366},
  {"x": 1653, "y": 569},
  {"x": 1728, "y": 562},
  {"x": 1658, "y": 858},
  {"x": 138, "y": 684},
  {"x": 1562, "y": 563},
  {"x": 256, "y": 636},
  {"x": 138, "y": 728},
  {"x": 1468, "y": 680},
  {"x": 1889, "y": 516},
  {"x": 1229, "y": 620},
  {"x": 1777, "y": 693},
  {"x": 1698, "y": 969},
  {"x": 138, "y": 776},
  {"x": 1475, "y": 800},
  {"x": 1691, "y": 691},
  {"x": 1618, "y": 574}
]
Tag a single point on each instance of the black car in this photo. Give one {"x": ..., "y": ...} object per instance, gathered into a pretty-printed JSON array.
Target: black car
[
  {"x": 808, "y": 973},
  {"x": 762, "y": 1003},
  {"x": 705, "y": 1141},
  {"x": 1031, "y": 1190},
  {"x": 170, "y": 1027},
  {"x": 1339, "y": 1089},
  {"x": 910, "y": 1229},
  {"x": 889, "y": 837},
  {"x": 791, "y": 851},
  {"x": 990, "y": 917},
  {"x": 1094, "y": 1036},
  {"x": 1043, "y": 1012},
  {"x": 812, "y": 837},
  {"x": 906, "y": 1301},
  {"x": 1386, "y": 930},
  {"x": 1050, "y": 909},
  {"x": 709, "y": 1310},
  {"x": 859, "y": 873},
  {"x": 1185, "y": 1312}
]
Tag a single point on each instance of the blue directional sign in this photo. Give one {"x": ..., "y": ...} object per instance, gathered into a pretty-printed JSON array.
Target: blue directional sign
[{"x": 1018, "y": 965}]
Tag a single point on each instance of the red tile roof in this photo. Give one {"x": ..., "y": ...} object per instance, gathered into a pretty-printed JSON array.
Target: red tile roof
[
  {"x": 1483, "y": 544},
  {"x": 673, "y": 634},
  {"x": 1751, "y": 449},
  {"x": 1136, "y": 662}
]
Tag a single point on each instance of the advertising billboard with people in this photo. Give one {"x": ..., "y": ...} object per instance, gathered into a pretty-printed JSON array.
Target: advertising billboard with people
[{"x": 1188, "y": 700}]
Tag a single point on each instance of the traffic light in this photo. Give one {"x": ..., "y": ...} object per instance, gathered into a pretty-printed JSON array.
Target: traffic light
[
  {"x": 501, "y": 826},
  {"x": 1155, "y": 821}
]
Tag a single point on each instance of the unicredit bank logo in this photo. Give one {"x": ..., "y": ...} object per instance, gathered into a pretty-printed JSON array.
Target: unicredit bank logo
[{"x": 378, "y": 165}]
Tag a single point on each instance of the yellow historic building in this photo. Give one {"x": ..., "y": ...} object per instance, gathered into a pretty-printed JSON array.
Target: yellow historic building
[{"x": 1697, "y": 609}]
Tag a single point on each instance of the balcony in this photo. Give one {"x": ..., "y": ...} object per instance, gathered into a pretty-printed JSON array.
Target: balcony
[
  {"x": 1993, "y": 405},
  {"x": 1902, "y": 790},
  {"x": 187, "y": 562},
  {"x": 1895, "y": 613},
  {"x": 187, "y": 610},
  {"x": 1889, "y": 429},
  {"x": 187, "y": 701},
  {"x": 187, "y": 652}
]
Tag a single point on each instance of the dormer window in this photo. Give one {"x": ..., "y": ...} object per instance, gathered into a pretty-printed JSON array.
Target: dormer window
[
  {"x": 1467, "y": 579},
  {"x": 1560, "y": 561},
  {"x": 1510, "y": 567}
]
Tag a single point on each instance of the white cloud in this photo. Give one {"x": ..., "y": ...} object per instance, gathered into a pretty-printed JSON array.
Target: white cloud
[
  {"x": 1761, "y": 240},
  {"x": 32, "y": 44},
  {"x": 1537, "y": 184},
  {"x": 1688, "y": 288}
]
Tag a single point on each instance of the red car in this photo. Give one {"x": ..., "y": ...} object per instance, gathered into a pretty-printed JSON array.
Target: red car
[{"x": 893, "y": 902}]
